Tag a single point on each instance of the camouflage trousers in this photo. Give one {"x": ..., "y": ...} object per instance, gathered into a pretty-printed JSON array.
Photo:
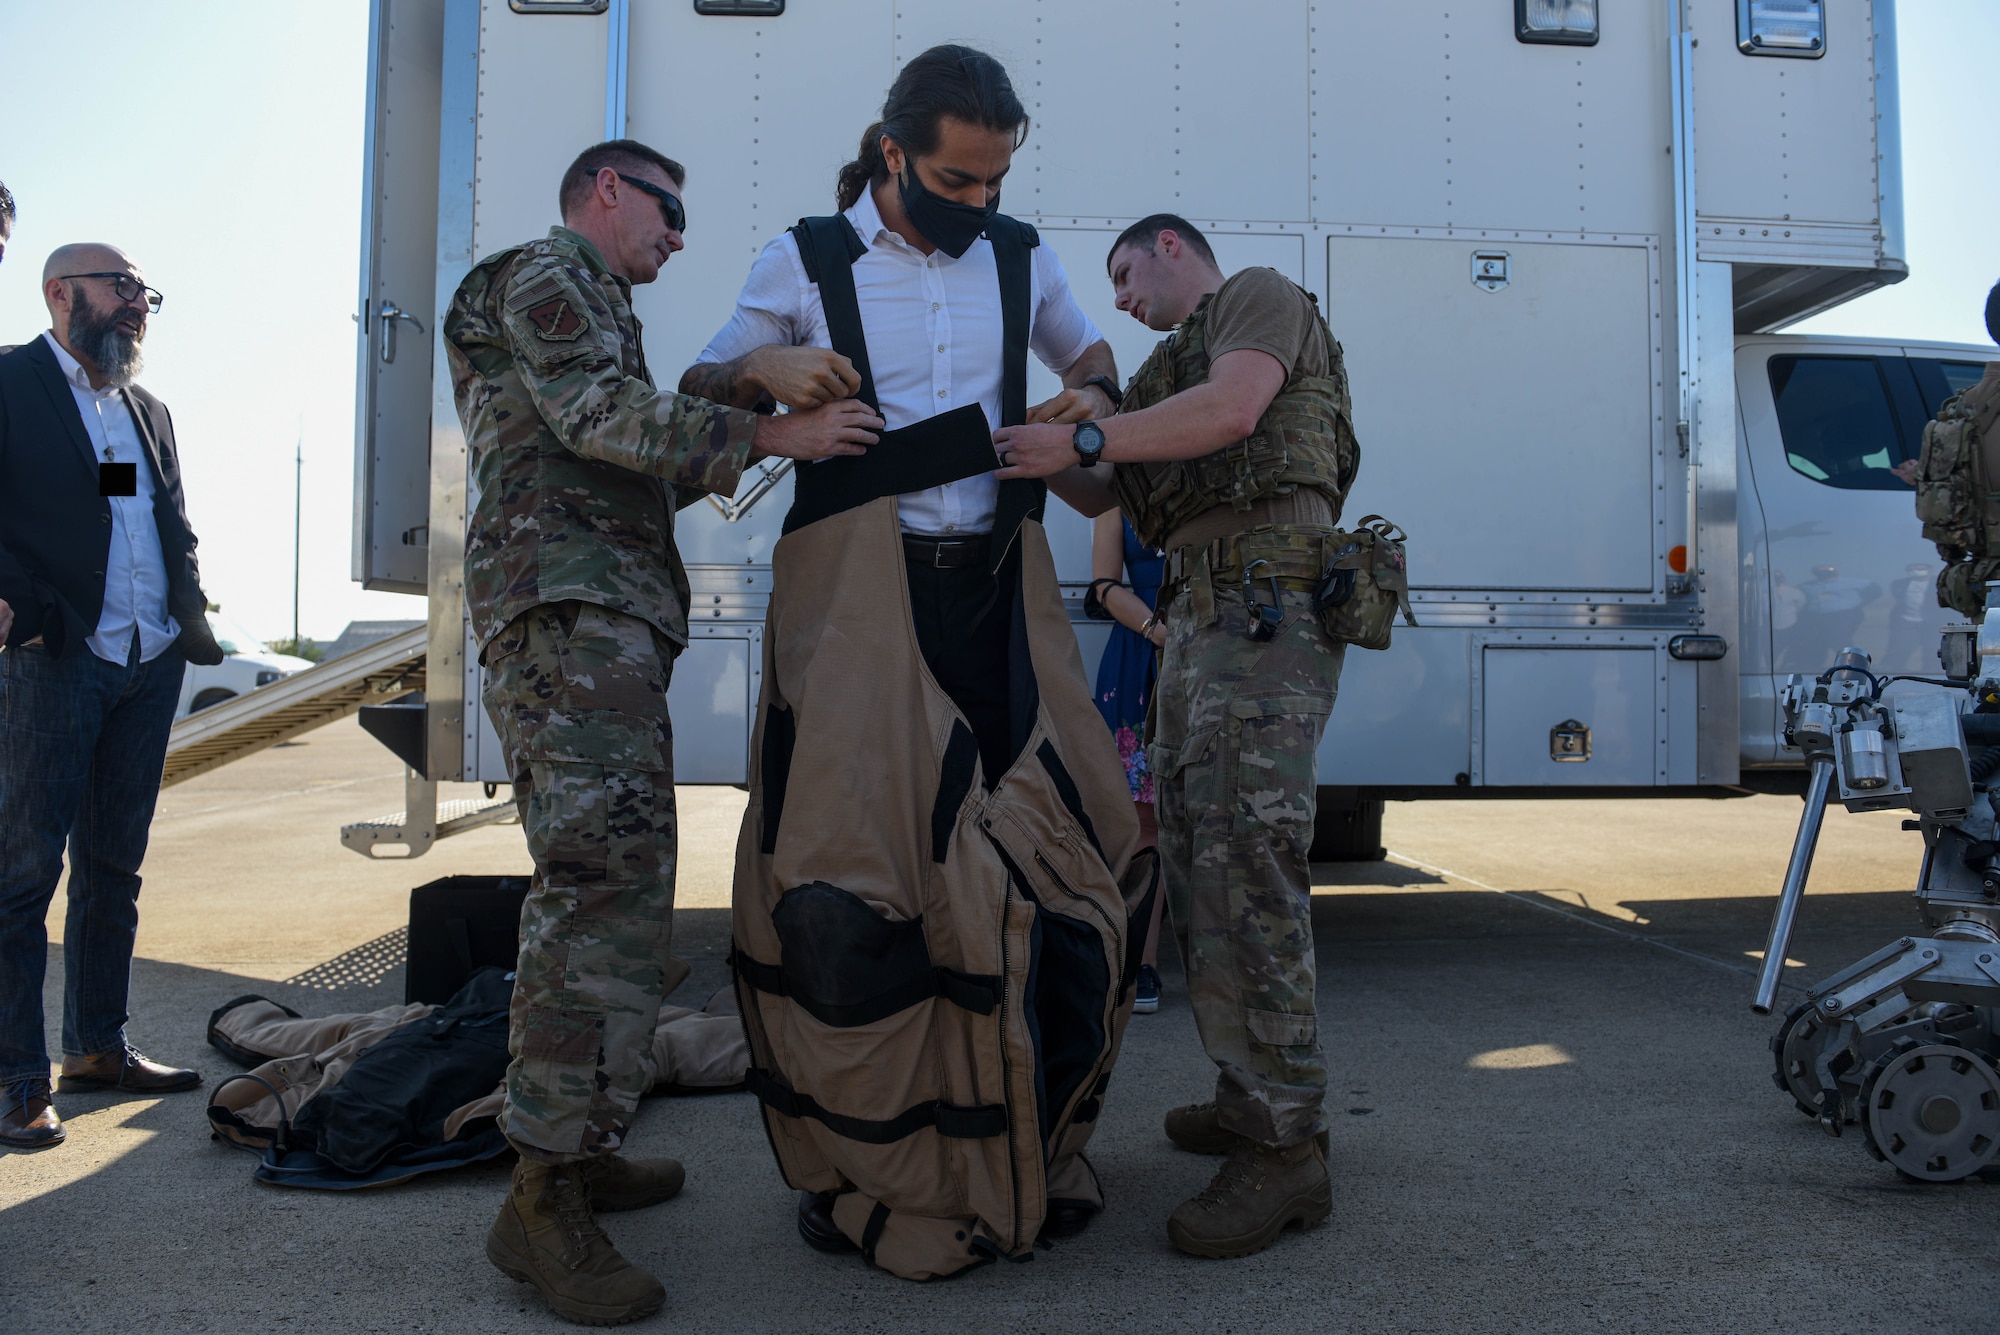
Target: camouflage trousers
[
  {"x": 1236, "y": 730},
  {"x": 578, "y": 695}
]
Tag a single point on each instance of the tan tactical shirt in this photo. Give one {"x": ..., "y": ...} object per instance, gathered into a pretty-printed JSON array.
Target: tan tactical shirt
[
  {"x": 579, "y": 463},
  {"x": 1262, "y": 309}
]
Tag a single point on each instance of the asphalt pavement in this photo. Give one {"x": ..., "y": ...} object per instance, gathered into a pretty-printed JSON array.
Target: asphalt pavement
[{"x": 1551, "y": 1104}]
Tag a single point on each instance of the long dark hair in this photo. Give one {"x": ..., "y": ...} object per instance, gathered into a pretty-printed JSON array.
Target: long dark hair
[{"x": 944, "y": 81}]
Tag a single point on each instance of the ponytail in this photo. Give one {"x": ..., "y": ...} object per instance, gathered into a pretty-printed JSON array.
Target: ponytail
[
  {"x": 867, "y": 168},
  {"x": 954, "y": 81}
]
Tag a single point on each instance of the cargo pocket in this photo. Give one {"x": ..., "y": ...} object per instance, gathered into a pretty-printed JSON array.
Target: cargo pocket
[
  {"x": 1270, "y": 749},
  {"x": 550, "y": 1088},
  {"x": 1279, "y": 1029},
  {"x": 596, "y": 808},
  {"x": 1284, "y": 1048},
  {"x": 604, "y": 737}
]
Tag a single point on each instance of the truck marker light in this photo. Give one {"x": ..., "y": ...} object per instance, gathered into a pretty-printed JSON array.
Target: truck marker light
[
  {"x": 1560, "y": 22},
  {"x": 1697, "y": 648},
  {"x": 1781, "y": 28},
  {"x": 1677, "y": 560}
]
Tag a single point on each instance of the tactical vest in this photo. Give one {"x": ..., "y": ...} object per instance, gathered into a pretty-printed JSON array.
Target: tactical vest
[
  {"x": 1958, "y": 474},
  {"x": 1304, "y": 439},
  {"x": 935, "y": 965}
]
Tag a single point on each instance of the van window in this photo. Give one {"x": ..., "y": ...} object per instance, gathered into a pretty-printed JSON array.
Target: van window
[
  {"x": 1838, "y": 426},
  {"x": 1941, "y": 379},
  {"x": 1961, "y": 376}
]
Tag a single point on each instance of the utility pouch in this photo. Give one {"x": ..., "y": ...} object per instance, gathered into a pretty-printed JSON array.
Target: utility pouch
[
  {"x": 1366, "y": 583},
  {"x": 1951, "y": 490},
  {"x": 1958, "y": 475}
]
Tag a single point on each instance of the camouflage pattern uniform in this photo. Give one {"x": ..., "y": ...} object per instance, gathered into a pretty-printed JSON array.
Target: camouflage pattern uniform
[
  {"x": 1234, "y": 742},
  {"x": 1969, "y": 519},
  {"x": 579, "y": 598},
  {"x": 1237, "y": 723}
]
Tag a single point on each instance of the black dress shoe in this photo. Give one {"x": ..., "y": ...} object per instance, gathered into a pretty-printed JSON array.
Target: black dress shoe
[
  {"x": 1066, "y": 1219},
  {"x": 126, "y": 1070},
  {"x": 816, "y": 1224},
  {"x": 28, "y": 1120}
]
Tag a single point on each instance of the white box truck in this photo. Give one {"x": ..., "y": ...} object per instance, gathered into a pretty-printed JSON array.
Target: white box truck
[{"x": 1552, "y": 235}]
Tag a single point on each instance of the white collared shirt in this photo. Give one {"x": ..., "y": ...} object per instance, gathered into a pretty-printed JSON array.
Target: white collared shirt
[
  {"x": 135, "y": 569},
  {"x": 934, "y": 338}
]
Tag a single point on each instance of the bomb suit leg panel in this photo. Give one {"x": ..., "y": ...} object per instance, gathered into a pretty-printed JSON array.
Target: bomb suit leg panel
[
  {"x": 578, "y": 695},
  {"x": 1237, "y": 732},
  {"x": 932, "y": 960}
]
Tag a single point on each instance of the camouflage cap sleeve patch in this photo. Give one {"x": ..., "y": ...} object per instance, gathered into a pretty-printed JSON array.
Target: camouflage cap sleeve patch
[{"x": 555, "y": 320}]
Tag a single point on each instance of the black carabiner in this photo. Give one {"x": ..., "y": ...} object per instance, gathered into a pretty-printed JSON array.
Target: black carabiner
[{"x": 1266, "y": 617}]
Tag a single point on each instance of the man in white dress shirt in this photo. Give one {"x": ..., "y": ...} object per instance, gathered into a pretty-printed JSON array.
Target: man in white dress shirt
[
  {"x": 950, "y": 297},
  {"x": 101, "y": 609}
]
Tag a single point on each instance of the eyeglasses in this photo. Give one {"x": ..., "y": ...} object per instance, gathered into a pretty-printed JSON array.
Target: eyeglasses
[
  {"x": 127, "y": 288},
  {"x": 670, "y": 204}
]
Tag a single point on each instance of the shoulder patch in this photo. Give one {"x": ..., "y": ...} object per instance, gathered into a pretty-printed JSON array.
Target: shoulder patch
[{"x": 555, "y": 320}]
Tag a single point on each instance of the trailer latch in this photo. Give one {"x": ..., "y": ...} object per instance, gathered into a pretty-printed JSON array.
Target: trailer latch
[{"x": 1569, "y": 741}]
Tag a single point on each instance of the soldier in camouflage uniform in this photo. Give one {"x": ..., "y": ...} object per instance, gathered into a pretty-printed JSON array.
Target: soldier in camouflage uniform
[
  {"x": 1957, "y": 497},
  {"x": 1232, "y": 452},
  {"x": 579, "y": 600}
]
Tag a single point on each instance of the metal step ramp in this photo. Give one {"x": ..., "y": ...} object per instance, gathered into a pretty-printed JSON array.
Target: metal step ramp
[
  {"x": 320, "y": 695},
  {"x": 299, "y": 703},
  {"x": 418, "y": 832}
]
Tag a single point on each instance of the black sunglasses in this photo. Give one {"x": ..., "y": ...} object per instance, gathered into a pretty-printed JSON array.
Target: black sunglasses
[
  {"x": 670, "y": 205},
  {"x": 127, "y": 287}
]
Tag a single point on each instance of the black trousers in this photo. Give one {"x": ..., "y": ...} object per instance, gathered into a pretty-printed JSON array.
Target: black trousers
[{"x": 964, "y": 619}]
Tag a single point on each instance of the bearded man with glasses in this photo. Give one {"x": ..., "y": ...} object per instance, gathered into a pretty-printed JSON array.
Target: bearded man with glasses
[{"x": 101, "y": 609}]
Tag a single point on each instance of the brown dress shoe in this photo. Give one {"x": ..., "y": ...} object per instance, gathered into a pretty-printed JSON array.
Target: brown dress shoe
[
  {"x": 126, "y": 1070},
  {"x": 28, "y": 1120}
]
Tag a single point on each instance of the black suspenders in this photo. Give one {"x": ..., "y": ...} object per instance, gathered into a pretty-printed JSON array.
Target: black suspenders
[{"x": 828, "y": 248}]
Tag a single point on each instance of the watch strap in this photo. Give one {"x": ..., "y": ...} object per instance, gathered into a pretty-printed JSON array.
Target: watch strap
[{"x": 1110, "y": 388}]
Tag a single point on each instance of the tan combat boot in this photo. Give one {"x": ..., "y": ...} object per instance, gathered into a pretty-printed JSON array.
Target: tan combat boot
[
  {"x": 1197, "y": 1128},
  {"x": 1258, "y": 1192},
  {"x": 618, "y": 1183},
  {"x": 546, "y": 1236}
]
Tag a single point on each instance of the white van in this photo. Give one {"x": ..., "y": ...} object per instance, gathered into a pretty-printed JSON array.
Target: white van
[{"x": 249, "y": 663}]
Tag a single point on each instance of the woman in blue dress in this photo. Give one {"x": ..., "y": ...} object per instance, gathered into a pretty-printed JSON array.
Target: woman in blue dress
[{"x": 1124, "y": 586}]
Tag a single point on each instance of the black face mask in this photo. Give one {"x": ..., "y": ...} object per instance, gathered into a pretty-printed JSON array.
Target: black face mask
[{"x": 947, "y": 224}]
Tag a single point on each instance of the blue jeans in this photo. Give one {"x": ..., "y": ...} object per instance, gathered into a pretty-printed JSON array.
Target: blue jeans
[{"x": 82, "y": 746}]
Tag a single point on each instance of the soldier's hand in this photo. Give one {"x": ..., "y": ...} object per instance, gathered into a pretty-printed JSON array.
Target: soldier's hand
[
  {"x": 1072, "y": 406},
  {"x": 1035, "y": 450},
  {"x": 845, "y": 426},
  {"x": 802, "y": 377},
  {"x": 6, "y": 620}
]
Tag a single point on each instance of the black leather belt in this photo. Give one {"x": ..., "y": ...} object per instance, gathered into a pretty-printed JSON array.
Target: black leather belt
[{"x": 944, "y": 553}]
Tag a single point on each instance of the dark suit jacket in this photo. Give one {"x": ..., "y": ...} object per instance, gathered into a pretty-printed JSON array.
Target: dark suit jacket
[{"x": 55, "y": 530}]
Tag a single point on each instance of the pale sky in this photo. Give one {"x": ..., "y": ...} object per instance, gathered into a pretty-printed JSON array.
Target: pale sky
[{"x": 221, "y": 146}]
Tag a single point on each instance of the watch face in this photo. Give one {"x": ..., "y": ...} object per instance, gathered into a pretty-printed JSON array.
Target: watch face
[{"x": 1090, "y": 436}]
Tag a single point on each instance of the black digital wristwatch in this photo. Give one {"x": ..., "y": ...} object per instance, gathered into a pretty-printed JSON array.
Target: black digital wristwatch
[{"x": 1089, "y": 442}]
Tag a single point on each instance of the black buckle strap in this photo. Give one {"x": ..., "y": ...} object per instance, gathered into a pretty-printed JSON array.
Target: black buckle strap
[
  {"x": 977, "y": 1123},
  {"x": 975, "y": 992},
  {"x": 944, "y": 553}
]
